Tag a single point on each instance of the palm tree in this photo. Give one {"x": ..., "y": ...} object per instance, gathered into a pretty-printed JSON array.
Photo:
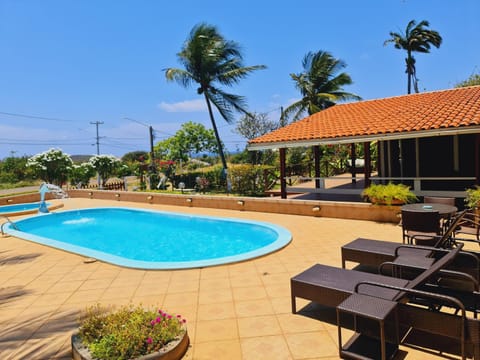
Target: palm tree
[
  {"x": 320, "y": 84},
  {"x": 210, "y": 59},
  {"x": 417, "y": 38}
]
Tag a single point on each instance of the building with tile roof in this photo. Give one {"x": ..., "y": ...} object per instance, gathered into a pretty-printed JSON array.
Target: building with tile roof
[{"x": 430, "y": 140}]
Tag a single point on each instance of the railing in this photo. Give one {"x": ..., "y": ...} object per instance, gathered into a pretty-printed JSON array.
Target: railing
[
  {"x": 344, "y": 185},
  {"x": 7, "y": 222}
]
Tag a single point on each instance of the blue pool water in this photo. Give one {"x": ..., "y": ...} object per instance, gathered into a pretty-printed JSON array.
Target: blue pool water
[
  {"x": 11, "y": 209},
  {"x": 152, "y": 239}
]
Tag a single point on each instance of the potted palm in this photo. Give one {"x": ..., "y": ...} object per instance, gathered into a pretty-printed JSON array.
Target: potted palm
[
  {"x": 389, "y": 194},
  {"x": 130, "y": 332}
]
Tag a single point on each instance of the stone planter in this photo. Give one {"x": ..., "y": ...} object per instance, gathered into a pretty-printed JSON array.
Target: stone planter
[{"x": 174, "y": 350}]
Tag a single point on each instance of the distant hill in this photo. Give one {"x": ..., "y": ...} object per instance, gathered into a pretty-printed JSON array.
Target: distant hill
[{"x": 80, "y": 158}]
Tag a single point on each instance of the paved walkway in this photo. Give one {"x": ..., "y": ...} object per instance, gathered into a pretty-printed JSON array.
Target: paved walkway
[{"x": 235, "y": 311}]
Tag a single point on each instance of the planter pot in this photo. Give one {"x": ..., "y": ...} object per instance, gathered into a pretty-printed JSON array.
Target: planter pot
[
  {"x": 174, "y": 350},
  {"x": 382, "y": 202}
]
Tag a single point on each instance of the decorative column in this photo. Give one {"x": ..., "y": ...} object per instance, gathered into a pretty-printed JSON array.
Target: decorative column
[
  {"x": 283, "y": 181},
  {"x": 367, "y": 164},
  {"x": 477, "y": 159},
  {"x": 353, "y": 159},
  {"x": 317, "y": 156}
]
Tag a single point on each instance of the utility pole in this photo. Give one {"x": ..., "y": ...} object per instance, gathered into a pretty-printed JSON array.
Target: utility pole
[
  {"x": 96, "y": 123},
  {"x": 153, "y": 168},
  {"x": 98, "y": 137}
]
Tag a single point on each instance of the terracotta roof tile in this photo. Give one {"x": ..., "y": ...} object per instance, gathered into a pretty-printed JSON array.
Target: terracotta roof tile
[{"x": 451, "y": 108}]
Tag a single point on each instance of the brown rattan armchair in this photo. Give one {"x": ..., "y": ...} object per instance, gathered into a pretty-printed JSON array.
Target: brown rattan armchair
[{"x": 420, "y": 227}]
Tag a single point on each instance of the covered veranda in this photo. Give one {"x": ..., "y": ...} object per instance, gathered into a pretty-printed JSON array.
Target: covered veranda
[{"x": 429, "y": 141}]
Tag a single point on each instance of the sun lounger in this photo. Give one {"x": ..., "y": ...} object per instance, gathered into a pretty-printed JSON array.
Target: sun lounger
[
  {"x": 330, "y": 286},
  {"x": 370, "y": 254}
]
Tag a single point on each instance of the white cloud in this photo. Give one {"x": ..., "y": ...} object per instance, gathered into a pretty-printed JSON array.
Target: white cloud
[{"x": 184, "y": 106}]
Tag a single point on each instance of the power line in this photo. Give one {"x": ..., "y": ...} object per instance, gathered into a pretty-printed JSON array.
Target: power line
[{"x": 34, "y": 117}]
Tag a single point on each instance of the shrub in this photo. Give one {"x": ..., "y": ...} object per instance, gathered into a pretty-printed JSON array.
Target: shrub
[
  {"x": 51, "y": 166},
  {"x": 387, "y": 194},
  {"x": 252, "y": 179},
  {"x": 473, "y": 197}
]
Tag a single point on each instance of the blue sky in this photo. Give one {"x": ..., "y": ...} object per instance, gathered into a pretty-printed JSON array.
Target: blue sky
[{"x": 67, "y": 64}]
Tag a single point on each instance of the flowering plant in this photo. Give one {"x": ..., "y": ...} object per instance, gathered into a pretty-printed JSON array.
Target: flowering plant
[
  {"x": 105, "y": 165},
  {"x": 129, "y": 332},
  {"x": 202, "y": 183},
  {"x": 51, "y": 166}
]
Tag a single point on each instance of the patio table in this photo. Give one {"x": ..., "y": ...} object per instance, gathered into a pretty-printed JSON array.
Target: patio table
[{"x": 444, "y": 210}]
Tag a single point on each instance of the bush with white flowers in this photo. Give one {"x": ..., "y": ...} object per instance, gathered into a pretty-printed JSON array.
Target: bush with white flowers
[
  {"x": 105, "y": 165},
  {"x": 52, "y": 166},
  {"x": 80, "y": 174}
]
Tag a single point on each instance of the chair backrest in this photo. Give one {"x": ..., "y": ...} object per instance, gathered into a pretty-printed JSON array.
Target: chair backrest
[
  {"x": 454, "y": 222},
  {"x": 439, "y": 200},
  {"x": 436, "y": 267},
  {"x": 422, "y": 221}
]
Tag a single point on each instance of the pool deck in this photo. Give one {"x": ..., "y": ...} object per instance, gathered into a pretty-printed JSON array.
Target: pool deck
[{"x": 234, "y": 311}]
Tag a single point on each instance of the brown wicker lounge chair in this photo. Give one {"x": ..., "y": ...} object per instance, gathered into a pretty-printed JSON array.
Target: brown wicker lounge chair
[
  {"x": 330, "y": 286},
  {"x": 372, "y": 253}
]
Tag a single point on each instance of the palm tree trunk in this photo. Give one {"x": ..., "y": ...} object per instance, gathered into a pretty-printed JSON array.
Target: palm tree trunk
[
  {"x": 409, "y": 72},
  {"x": 214, "y": 125}
]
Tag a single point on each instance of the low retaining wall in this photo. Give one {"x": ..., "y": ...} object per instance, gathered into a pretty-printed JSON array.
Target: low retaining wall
[
  {"x": 343, "y": 210},
  {"x": 24, "y": 198}
]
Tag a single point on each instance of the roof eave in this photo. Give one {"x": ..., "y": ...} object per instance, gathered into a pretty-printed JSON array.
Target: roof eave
[{"x": 365, "y": 138}]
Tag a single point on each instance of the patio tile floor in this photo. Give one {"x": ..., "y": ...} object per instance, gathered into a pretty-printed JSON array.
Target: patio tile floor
[{"x": 234, "y": 311}]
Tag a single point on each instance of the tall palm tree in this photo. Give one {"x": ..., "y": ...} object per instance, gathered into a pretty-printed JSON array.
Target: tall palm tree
[
  {"x": 417, "y": 38},
  {"x": 209, "y": 60},
  {"x": 320, "y": 84}
]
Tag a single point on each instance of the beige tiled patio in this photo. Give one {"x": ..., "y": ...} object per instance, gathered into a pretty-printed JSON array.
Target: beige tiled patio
[{"x": 235, "y": 311}]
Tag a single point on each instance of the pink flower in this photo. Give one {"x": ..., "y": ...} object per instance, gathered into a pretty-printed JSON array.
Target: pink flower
[
  {"x": 149, "y": 340},
  {"x": 158, "y": 319},
  {"x": 152, "y": 322},
  {"x": 184, "y": 320}
]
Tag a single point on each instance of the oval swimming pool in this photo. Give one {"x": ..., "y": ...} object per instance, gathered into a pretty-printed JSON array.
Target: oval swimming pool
[{"x": 152, "y": 239}]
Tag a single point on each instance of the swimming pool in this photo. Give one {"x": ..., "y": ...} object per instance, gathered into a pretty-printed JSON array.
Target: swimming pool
[
  {"x": 152, "y": 239},
  {"x": 21, "y": 209}
]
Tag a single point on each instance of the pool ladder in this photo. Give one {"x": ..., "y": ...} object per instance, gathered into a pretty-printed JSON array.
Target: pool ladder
[{"x": 7, "y": 222}]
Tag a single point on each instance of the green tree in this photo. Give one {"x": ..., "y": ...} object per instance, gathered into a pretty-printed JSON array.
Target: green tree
[
  {"x": 105, "y": 165},
  {"x": 135, "y": 156},
  {"x": 321, "y": 84},
  {"x": 80, "y": 174},
  {"x": 192, "y": 138},
  {"x": 209, "y": 59},
  {"x": 416, "y": 38},
  {"x": 13, "y": 169},
  {"x": 473, "y": 80},
  {"x": 252, "y": 126},
  {"x": 52, "y": 166}
]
